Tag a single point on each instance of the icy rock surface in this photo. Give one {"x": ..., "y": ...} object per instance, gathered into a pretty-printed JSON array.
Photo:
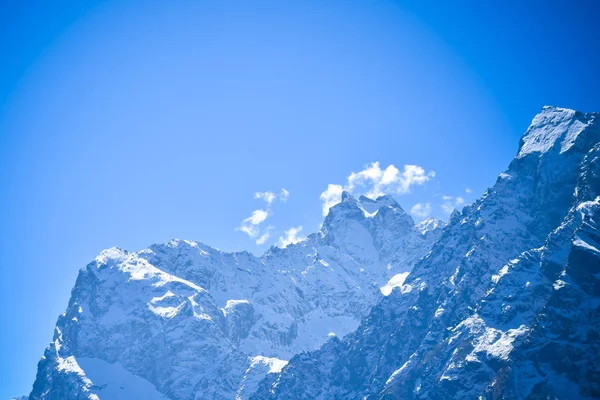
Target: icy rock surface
[
  {"x": 182, "y": 320},
  {"x": 505, "y": 306}
]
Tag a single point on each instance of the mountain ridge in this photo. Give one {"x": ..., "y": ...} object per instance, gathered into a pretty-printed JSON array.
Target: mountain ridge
[
  {"x": 373, "y": 306},
  {"x": 426, "y": 339},
  {"x": 148, "y": 313}
]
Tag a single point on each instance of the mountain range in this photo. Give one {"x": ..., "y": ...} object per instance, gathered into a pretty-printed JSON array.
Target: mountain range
[{"x": 500, "y": 302}]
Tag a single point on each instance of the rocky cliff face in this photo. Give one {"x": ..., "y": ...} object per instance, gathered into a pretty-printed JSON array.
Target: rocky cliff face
[
  {"x": 182, "y": 320},
  {"x": 504, "y": 306}
]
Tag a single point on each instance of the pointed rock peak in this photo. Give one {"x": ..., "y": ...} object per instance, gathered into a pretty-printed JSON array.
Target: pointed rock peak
[
  {"x": 111, "y": 257},
  {"x": 348, "y": 206},
  {"x": 554, "y": 128},
  {"x": 348, "y": 209},
  {"x": 347, "y": 197},
  {"x": 455, "y": 214},
  {"x": 348, "y": 202}
]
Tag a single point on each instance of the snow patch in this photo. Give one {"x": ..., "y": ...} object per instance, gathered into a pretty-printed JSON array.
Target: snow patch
[
  {"x": 396, "y": 281},
  {"x": 275, "y": 364},
  {"x": 580, "y": 243}
]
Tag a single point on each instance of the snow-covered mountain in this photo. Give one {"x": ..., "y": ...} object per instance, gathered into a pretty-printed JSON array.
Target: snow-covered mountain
[
  {"x": 501, "y": 302},
  {"x": 506, "y": 305},
  {"x": 182, "y": 320}
]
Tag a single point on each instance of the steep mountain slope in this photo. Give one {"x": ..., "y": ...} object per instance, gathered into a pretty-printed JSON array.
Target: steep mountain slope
[
  {"x": 504, "y": 306},
  {"x": 533, "y": 334},
  {"x": 182, "y": 320}
]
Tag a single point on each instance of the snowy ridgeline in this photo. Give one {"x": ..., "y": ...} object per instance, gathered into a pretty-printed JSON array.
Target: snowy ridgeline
[
  {"x": 183, "y": 320},
  {"x": 506, "y": 305},
  {"x": 500, "y": 302}
]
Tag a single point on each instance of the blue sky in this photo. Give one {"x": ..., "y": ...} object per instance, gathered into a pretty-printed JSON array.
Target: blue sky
[{"x": 126, "y": 123}]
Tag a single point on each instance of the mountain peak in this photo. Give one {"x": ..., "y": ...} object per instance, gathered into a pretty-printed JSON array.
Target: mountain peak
[
  {"x": 348, "y": 202},
  {"x": 349, "y": 207},
  {"x": 111, "y": 257},
  {"x": 347, "y": 197},
  {"x": 554, "y": 128},
  {"x": 490, "y": 290}
]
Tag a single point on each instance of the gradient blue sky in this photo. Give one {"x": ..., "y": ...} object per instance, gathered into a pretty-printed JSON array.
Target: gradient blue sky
[{"x": 125, "y": 123}]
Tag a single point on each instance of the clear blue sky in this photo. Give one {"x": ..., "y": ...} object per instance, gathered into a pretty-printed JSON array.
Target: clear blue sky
[{"x": 125, "y": 123}]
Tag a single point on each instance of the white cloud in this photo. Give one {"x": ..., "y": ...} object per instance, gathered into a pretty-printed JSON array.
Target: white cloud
[
  {"x": 390, "y": 180},
  {"x": 421, "y": 210},
  {"x": 264, "y": 237},
  {"x": 250, "y": 224},
  {"x": 250, "y": 230},
  {"x": 468, "y": 190},
  {"x": 269, "y": 197},
  {"x": 372, "y": 173},
  {"x": 450, "y": 203},
  {"x": 291, "y": 236},
  {"x": 266, "y": 196},
  {"x": 257, "y": 217},
  {"x": 375, "y": 182},
  {"x": 414, "y": 175},
  {"x": 331, "y": 196}
]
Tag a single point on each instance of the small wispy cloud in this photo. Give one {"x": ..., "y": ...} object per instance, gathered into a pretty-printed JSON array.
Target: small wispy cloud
[
  {"x": 374, "y": 182},
  {"x": 450, "y": 203},
  {"x": 468, "y": 190},
  {"x": 291, "y": 236},
  {"x": 269, "y": 197},
  {"x": 263, "y": 239},
  {"x": 421, "y": 210},
  {"x": 266, "y": 196},
  {"x": 251, "y": 225},
  {"x": 265, "y": 236},
  {"x": 284, "y": 195}
]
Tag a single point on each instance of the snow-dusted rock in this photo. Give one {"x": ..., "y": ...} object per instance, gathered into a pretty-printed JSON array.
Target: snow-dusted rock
[
  {"x": 501, "y": 302},
  {"x": 259, "y": 368},
  {"x": 504, "y": 306},
  {"x": 182, "y": 320}
]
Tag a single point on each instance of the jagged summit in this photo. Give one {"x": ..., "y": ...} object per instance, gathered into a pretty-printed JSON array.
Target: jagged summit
[
  {"x": 366, "y": 204},
  {"x": 558, "y": 129},
  {"x": 347, "y": 197},
  {"x": 183, "y": 320},
  {"x": 454, "y": 215}
]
